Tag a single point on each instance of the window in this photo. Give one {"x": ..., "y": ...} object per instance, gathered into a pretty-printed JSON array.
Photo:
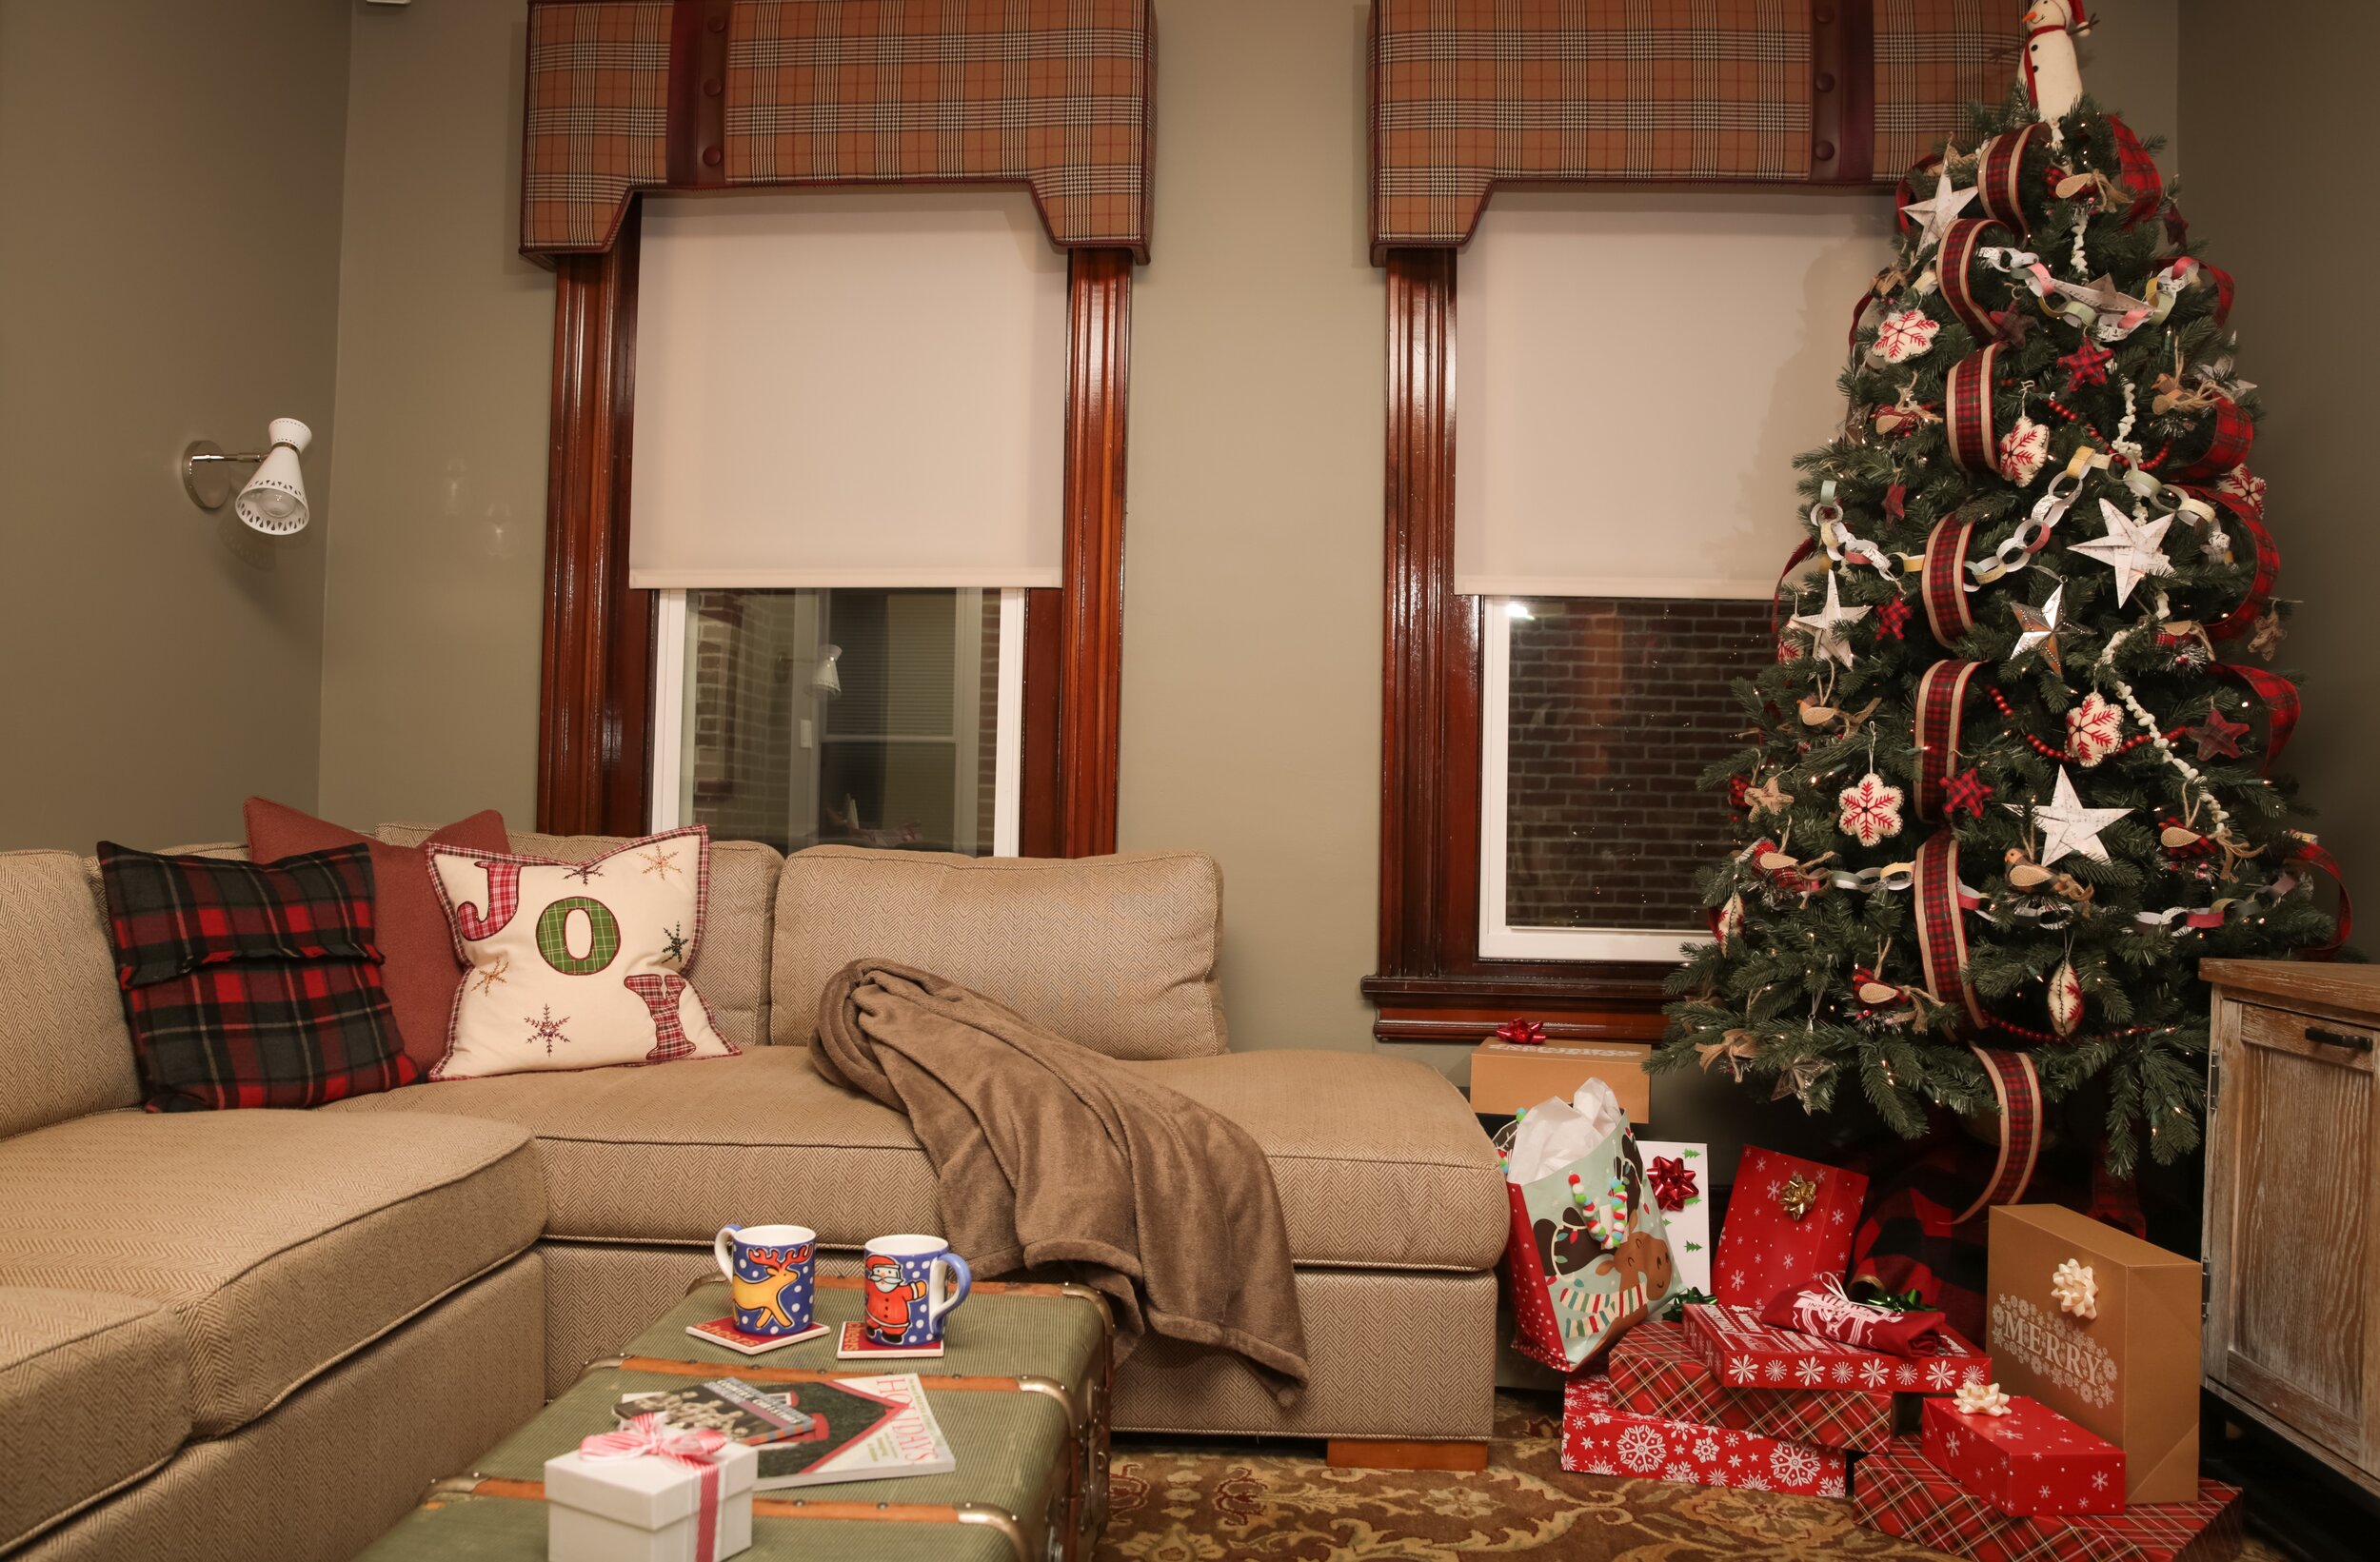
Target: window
[{"x": 852, "y": 717}]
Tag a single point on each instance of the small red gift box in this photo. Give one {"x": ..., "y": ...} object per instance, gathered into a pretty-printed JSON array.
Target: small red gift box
[
  {"x": 1899, "y": 1493},
  {"x": 1657, "y": 1369},
  {"x": 2032, "y": 1460},
  {"x": 1787, "y": 1220},
  {"x": 1745, "y": 1353},
  {"x": 1599, "y": 1438}
]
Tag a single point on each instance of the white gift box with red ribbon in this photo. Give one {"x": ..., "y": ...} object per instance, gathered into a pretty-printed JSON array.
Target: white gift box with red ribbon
[{"x": 650, "y": 1493}]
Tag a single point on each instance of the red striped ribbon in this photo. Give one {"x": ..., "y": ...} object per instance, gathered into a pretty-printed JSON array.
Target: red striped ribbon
[
  {"x": 2278, "y": 697},
  {"x": 1954, "y": 268},
  {"x": 2240, "y": 620},
  {"x": 2138, "y": 171},
  {"x": 2319, "y": 859},
  {"x": 1941, "y": 925},
  {"x": 1999, "y": 174},
  {"x": 2018, "y": 1090},
  {"x": 1941, "y": 708},
  {"x": 1966, "y": 410},
  {"x": 2229, "y": 435},
  {"x": 1944, "y": 583}
]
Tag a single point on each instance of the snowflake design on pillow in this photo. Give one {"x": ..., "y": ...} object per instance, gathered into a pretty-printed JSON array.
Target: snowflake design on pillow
[{"x": 607, "y": 955}]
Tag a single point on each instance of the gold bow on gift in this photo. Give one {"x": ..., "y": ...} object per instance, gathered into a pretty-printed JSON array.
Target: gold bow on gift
[{"x": 1799, "y": 1196}]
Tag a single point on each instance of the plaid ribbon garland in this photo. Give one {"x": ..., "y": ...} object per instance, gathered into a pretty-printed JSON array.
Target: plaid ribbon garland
[
  {"x": 1943, "y": 582},
  {"x": 2136, "y": 170},
  {"x": 1954, "y": 268},
  {"x": 1051, "y": 94},
  {"x": 2317, "y": 859},
  {"x": 2278, "y": 697},
  {"x": 1967, "y": 411},
  {"x": 1941, "y": 925},
  {"x": 2018, "y": 1090},
  {"x": 2227, "y": 436},
  {"x": 1999, "y": 174},
  {"x": 1941, "y": 709},
  {"x": 1900, "y": 1492},
  {"x": 2243, "y": 618}
]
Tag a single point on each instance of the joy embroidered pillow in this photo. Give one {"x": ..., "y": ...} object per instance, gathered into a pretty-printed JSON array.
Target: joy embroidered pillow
[{"x": 577, "y": 965}]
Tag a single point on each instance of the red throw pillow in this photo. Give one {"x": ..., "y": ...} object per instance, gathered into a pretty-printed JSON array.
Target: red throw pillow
[
  {"x": 422, "y": 970},
  {"x": 246, "y": 985}
]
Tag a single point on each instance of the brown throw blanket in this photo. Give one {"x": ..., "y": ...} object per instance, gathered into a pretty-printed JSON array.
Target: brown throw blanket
[{"x": 1049, "y": 1153}]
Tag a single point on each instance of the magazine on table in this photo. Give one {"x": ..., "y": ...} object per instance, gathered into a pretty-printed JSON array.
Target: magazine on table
[{"x": 854, "y": 1429}]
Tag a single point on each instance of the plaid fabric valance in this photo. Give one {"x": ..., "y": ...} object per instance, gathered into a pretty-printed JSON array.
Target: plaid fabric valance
[
  {"x": 1470, "y": 94},
  {"x": 626, "y": 95}
]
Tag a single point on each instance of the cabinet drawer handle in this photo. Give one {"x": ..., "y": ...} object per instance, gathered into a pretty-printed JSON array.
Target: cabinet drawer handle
[{"x": 2336, "y": 1038}]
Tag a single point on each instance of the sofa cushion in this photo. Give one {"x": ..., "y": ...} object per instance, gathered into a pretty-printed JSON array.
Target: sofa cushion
[
  {"x": 279, "y": 1242},
  {"x": 64, "y": 1049},
  {"x": 732, "y": 967},
  {"x": 1116, "y": 953},
  {"x": 94, "y": 1392},
  {"x": 1378, "y": 1161},
  {"x": 671, "y": 1154}
]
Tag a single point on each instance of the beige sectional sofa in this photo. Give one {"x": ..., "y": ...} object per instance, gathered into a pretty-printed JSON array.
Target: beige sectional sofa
[{"x": 259, "y": 1333}]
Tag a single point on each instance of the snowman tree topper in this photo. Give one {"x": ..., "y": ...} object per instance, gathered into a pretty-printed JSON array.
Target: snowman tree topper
[{"x": 2053, "y": 76}]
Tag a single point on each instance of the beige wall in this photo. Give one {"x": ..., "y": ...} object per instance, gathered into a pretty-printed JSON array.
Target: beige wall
[
  {"x": 430, "y": 652},
  {"x": 2270, "y": 107},
  {"x": 168, "y": 271}
]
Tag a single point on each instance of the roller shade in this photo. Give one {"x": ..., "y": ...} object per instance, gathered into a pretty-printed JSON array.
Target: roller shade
[
  {"x": 1634, "y": 375},
  {"x": 849, "y": 391}
]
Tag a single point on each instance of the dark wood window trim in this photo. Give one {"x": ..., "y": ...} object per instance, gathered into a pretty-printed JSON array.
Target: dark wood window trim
[
  {"x": 594, "y": 764},
  {"x": 1432, "y": 985}
]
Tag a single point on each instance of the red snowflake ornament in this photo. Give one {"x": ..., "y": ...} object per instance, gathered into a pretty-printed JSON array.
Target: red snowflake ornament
[
  {"x": 2094, "y": 730},
  {"x": 1871, "y": 810},
  {"x": 1905, "y": 335},
  {"x": 2246, "y": 487},
  {"x": 2023, "y": 448}
]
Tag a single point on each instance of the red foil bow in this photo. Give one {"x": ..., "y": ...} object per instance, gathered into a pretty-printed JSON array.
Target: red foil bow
[
  {"x": 1673, "y": 1184},
  {"x": 1523, "y": 1032}
]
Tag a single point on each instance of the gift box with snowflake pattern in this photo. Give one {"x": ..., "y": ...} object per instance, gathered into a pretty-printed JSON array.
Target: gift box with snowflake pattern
[
  {"x": 1599, "y": 1438},
  {"x": 1657, "y": 1369},
  {"x": 1745, "y": 1353}
]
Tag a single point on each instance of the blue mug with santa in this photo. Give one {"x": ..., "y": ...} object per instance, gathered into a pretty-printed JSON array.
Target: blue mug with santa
[{"x": 911, "y": 1284}]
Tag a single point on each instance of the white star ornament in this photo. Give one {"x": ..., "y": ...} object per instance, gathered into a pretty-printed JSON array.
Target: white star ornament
[
  {"x": 1826, "y": 625},
  {"x": 2067, "y": 825},
  {"x": 1936, "y": 213},
  {"x": 2129, "y": 548}
]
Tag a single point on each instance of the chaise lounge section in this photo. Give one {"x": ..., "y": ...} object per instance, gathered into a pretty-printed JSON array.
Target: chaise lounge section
[{"x": 345, "y": 1303}]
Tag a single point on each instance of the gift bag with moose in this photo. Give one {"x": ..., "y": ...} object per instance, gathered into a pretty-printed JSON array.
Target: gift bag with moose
[{"x": 1588, "y": 1255}]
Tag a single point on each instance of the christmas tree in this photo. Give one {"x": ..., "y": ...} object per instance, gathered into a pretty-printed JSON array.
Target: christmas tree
[{"x": 2009, "y": 781}]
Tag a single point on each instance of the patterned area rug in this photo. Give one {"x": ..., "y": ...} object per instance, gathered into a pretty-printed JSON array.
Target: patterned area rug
[{"x": 1208, "y": 1504}]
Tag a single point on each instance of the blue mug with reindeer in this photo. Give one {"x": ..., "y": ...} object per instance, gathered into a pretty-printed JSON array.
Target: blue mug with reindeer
[{"x": 772, "y": 1276}]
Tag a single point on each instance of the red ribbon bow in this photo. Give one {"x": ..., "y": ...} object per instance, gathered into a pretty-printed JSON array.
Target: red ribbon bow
[
  {"x": 1524, "y": 1033},
  {"x": 1673, "y": 1184},
  {"x": 651, "y": 1433}
]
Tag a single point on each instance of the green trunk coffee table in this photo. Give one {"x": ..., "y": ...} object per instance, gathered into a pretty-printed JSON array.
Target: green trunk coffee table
[{"x": 1021, "y": 1391}]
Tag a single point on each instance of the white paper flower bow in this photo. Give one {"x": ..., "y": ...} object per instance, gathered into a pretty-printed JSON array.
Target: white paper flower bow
[
  {"x": 1981, "y": 1399},
  {"x": 2076, "y": 1289}
]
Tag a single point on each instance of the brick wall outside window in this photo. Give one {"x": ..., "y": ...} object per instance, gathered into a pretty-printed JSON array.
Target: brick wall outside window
[{"x": 1616, "y": 707}]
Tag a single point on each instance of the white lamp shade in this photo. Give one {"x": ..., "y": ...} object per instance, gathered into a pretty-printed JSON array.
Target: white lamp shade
[{"x": 274, "y": 500}]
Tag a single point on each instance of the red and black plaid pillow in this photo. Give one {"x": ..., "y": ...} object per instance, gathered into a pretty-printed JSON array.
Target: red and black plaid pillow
[{"x": 251, "y": 985}]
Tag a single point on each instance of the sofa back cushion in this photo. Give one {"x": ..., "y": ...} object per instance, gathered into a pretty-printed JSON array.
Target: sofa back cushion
[
  {"x": 63, "y": 1049},
  {"x": 1116, "y": 953},
  {"x": 731, "y": 969}
]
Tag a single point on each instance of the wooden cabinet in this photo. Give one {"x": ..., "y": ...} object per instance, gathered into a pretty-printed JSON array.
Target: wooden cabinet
[{"x": 2292, "y": 1216}]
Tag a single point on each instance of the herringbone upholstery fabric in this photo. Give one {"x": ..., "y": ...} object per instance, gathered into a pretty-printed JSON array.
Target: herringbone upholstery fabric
[
  {"x": 1114, "y": 952},
  {"x": 64, "y": 1049},
  {"x": 94, "y": 1394},
  {"x": 1397, "y": 1355},
  {"x": 317, "y": 1479},
  {"x": 1379, "y": 1161},
  {"x": 278, "y": 1241},
  {"x": 670, "y": 1155},
  {"x": 731, "y": 968}
]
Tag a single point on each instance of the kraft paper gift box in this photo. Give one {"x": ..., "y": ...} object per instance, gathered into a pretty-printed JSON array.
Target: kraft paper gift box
[
  {"x": 1765, "y": 1246},
  {"x": 1746, "y": 1354},
  {"x": 2031, "y": 1460},
  {"x": 1657, "y": 1369},
  {"x": 2130, "y": 1373},
  {"x": 1599, "y": 1438},
  {"x": 1900, "y": 1492},
  {"x": 1508, "y": 1076},
  {"x": 646, "y": 1509}
]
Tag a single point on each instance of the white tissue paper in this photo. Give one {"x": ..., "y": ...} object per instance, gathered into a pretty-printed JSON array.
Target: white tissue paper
[{"x": 1554, "y": 1133}]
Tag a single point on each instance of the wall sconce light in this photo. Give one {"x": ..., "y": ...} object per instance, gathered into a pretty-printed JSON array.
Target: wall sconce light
[
  {"x": 273, "y": 501},
  {"x": 828, "y": 680}
]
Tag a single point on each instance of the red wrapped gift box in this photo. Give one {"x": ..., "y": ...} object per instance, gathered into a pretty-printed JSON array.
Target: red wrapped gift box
[
  {"x": 2032, "y": 1460},
  {"x": 1746, "y": 1354},
  {"x": 1656, "y": 1370},
  {"x": 1899, "y": 1493},
  {"x": 1764, "y": 1246},
  {"x": 1599, "y": 1438}
]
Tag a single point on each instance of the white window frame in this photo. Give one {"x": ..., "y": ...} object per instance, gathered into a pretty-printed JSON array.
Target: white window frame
[
  {"x": 1499, "y": 939},
  {"x": 669, "y": 788}
]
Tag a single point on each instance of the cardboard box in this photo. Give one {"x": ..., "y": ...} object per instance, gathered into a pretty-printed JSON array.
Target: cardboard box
[
  {"x": 2032, "y": 1460},
  {"x": 1898, "y": 1492},
  {"x": 2132, "y": 1374},
  {"x": 1506, "y": 1076}
]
